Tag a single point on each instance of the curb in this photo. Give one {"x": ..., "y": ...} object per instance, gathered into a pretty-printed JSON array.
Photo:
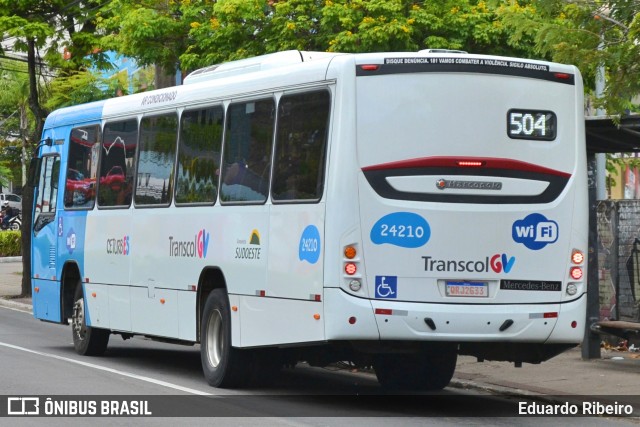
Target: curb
[
  {"x": 10, "y": 259},
  {"x": 20, "y": 306},
  {"x": 494, "y": 389}
]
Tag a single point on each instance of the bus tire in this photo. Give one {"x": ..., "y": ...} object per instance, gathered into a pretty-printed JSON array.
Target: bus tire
[
  {"x": 428, "y": 370},
  {"x": 87, "y": 341},
  {"x": 223, "y": 366}
]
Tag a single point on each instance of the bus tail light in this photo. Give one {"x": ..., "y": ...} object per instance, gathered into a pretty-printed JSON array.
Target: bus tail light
[
  {"x": 576, "y": 273},
  {"x": 470, "y": 163},
  {"x": 351, "y": 260},
  {"x": 350, "y": 268},
  {"x": 577, "y": 257}
]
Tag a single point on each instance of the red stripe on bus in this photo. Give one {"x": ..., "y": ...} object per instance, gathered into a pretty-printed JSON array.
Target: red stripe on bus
[{"x": 454, "y": 162}]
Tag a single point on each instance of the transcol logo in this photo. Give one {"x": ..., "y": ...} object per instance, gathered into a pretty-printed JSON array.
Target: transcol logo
[
  {"x": 535, "y": 231},
  {"x": 497, "y": 263},
  {"x": 190, "y": 248}
]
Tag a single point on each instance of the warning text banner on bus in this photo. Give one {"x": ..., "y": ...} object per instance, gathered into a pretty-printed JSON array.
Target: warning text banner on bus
[
  {"x": 468, "y": 65},
  {"x": 388, "y": 405}
]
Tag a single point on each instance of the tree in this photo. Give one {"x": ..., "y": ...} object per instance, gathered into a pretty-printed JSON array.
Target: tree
[
  {"x": 150, "y": 31},
  {"x": 591, "y": 35},
  {"x": 234, "y": 29},
  {"x": 82, "y": 87},
  {"x": 47, "y": 25},
  {"x": 14, "y": 85}
]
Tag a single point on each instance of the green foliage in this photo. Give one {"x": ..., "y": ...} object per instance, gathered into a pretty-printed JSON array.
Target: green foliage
[
  {"x": 592, "y": 35},
  {"x": 152, "y": 32},
  {"x": 82, "y": 87},
  {"x": 10, "y": 243},
  {"x": 232, "y": 29}
]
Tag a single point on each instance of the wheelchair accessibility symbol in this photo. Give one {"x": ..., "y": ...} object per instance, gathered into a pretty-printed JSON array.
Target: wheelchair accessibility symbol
[{"x": 386, "y": 287}]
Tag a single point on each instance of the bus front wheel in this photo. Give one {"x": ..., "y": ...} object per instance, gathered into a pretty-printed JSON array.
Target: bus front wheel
[
  {"x": 87, "y": 341},
  {"x": 223, "y": 365},
  {"x": 430, "y": 369}
]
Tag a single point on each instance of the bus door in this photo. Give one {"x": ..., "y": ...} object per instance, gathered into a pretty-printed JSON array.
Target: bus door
[{"x": 45, "y": 280}]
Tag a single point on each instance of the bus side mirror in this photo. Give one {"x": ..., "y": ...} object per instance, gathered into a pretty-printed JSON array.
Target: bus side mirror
[{"x": 34, "y": 171}]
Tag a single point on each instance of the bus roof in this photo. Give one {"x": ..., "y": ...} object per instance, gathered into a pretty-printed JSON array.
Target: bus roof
[{"x": 75, "y": 114}]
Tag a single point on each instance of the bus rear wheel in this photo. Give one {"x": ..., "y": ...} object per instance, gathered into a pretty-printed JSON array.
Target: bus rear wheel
[
  {"x": 430, "y": 369},
  {"x": 87, "y": 341},
  {"x": 223, "y": 365}
]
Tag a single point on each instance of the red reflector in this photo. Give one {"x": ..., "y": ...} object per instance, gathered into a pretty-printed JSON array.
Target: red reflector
[
  {"x": 550, "y": 315},
  {"x": 386, "y": 311},
  {"x": 574, "y": 324},
  {"x": 350, "y": 268},
  {"x": 369, "y": 67},
  {"x": 262, "y": 293},
  {"x": 352, "y": 320},
  {"x": 563, "y": 76},
  {"x": 469, "y": 164}
]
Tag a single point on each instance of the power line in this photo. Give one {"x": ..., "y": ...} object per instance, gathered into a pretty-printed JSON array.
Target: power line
[{"x": 26, "y": 72}]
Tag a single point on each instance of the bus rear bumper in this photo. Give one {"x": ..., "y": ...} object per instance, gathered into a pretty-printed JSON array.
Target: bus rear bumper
[
  {"x": 481, "y": 322},
  {"x": 394, "y": 320}
]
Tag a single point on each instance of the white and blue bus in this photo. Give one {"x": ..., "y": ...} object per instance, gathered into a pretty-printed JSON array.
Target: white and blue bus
[{"x": 390, "y": 209}]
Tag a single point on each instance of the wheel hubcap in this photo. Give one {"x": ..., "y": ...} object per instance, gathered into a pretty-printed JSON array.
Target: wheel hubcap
[
  {"x": 215, "y": 339},
  {"x": 77, "y": 319}
]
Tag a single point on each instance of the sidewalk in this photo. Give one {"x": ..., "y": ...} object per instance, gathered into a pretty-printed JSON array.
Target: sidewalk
[
  {"x": 11, "y": 284},
  {"x": 615, "y": 377}
]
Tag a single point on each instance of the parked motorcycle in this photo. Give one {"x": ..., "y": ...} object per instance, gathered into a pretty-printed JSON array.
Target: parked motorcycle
[{"x": 15, "y": 223}]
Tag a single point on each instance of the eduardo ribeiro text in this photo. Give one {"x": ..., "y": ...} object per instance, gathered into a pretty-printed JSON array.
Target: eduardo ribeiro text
[{"x": 585, "y": 408}]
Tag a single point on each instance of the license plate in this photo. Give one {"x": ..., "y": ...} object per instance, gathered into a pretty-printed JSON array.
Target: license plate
[{"x": 466, "y": 289}]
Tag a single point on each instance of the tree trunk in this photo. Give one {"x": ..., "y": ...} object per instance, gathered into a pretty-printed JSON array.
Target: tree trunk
[
  {"x": 24, "y": 128},
  {"x": 164, "y": 77},
  {"x": 27, "y": 191}
]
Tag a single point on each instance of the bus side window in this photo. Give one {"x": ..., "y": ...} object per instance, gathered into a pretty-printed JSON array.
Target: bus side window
[
  {"x": 82, "y": 168},
  {"x": 199, "y": 152},
  {"x": 247, "y": 152},
  {"x": 45, "y": 207},
  {"x": 158, "y": 136},
  {"x": 301, "y": 144},
  {"x": 119, "y": 143}
]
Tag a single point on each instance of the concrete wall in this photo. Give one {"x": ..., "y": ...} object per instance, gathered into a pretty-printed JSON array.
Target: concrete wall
[{"x": 618, "y": 229}]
